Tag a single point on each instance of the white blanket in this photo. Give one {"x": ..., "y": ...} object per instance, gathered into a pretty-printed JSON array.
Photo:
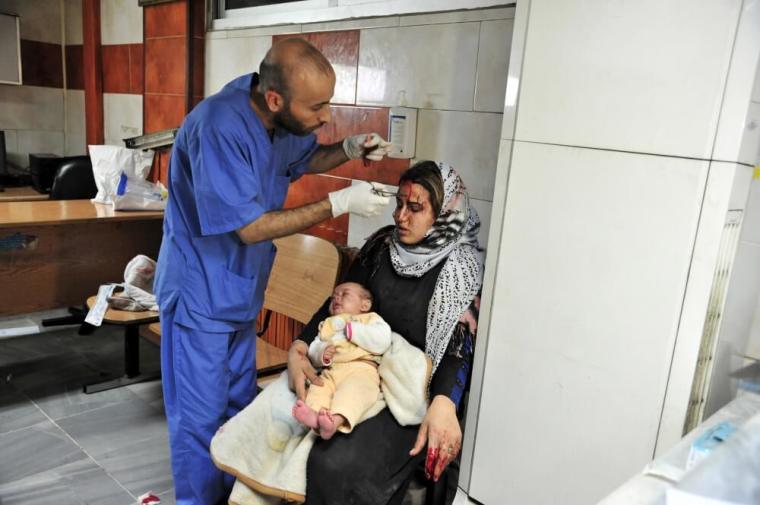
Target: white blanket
[{"x": 266, "y": 448}]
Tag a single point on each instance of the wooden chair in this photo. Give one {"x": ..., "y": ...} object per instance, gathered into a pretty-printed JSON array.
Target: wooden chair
[
  {"x": 303, "y": 276},
  {"x": 267, "y": 355}
]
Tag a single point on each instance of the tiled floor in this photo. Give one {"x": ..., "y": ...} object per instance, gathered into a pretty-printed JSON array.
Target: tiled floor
[{"x": 60, "y": 446}]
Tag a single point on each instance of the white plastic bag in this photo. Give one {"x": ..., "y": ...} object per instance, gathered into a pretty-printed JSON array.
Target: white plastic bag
[
  {"x": 136, "y": 194},
  {"x": 108, "y": 162},
  {"x": 137, "y": 294}
]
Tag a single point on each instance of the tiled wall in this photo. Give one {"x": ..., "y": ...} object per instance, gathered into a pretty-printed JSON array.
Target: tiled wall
[
  {"x": 614, "y": 203},
  {"x": 752, "y": 228},
  {"x": 458, "y": 88},
  {"x": 739, "y": 139},
  {"x": 121, "y": 36},
  {"x": 174, "y": 63},
  {"x": 74, "y": 93},
  {"x": 739, "y": 336},
  {"x": 47, "y": 113},
  {"x": 41, "y": 116}
]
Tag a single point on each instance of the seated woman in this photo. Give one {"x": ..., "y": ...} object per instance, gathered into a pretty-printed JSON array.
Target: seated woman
[{"x": 424, "y": 273}]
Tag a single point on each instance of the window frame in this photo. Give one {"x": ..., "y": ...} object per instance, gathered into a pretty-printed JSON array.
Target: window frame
[{"x": 320, "y": 11}]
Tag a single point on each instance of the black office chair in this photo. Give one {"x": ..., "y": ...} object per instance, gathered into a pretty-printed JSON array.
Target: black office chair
[{"x": 74, "y": 180}]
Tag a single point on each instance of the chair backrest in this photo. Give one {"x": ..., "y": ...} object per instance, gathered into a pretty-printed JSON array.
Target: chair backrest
[
  {"x": 74, "y": 180},
  {"x": 303, "y": 276}
]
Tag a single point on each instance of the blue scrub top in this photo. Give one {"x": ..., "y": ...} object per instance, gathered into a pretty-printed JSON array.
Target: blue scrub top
[{"x": 225, "y": 172}]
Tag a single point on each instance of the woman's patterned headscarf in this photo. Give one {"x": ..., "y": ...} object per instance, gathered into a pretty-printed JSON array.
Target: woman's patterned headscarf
[{"x": 453, "y": 238}]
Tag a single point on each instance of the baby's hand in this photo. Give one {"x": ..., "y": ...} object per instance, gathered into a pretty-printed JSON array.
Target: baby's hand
[
  {"x": 330, "y": 327},
  {"x": 327, "y": 356}
]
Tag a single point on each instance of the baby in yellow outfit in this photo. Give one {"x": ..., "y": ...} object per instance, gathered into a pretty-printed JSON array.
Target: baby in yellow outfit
[{"x": 350, "y": 344}]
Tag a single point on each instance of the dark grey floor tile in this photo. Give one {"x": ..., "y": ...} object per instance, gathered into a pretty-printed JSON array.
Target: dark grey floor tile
[
  {"x": 141, "y": 467},
  {"x": 79, "y": 483},
  {"x": 75, "y": 360},
  {"x": 111, "y": 362},
  {"x": 59, "y": 400},
  {"x": 115, "y": 427},
  {"x": 106, "y": 336},
  {"x": 34, "y": 450},
  {"x": 54, "y": 369},
  {"x": 28, "y": 347},
  {"x": 17, "y": 411}
]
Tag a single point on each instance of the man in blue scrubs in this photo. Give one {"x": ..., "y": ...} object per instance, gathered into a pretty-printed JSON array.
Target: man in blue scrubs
[{"x": 231, "y": 164}]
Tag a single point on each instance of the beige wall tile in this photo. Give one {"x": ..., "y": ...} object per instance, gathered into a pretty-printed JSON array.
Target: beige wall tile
[
  {"x": 31, "y": 108},
  {"x": 458, "y": 16},
  {"x": 646, "y": 78},
  {"x": 230, "y": 58},
  {"x": 36, "y": 141},
  {"x": 468, "y": 141},
  {"x": 40, "y": 19},
  {"x": 122, "y": 117},
  {"x": 427, "y": 66},
  {"x": 75, "y": 133},
  {"x": 121, "y": 22},
  {"x": 493, "y": 62},
  {"x": 73, "y": 21}
]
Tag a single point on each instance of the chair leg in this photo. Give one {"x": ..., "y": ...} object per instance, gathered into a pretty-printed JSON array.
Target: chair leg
[
  {"x": 132, "y": 373},
  {"x": 86, "y": 329}
]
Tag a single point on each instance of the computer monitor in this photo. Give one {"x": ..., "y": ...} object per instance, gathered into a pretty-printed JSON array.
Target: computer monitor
[
  {"x": 5, "y": 178},
  {"x": 10, "y": 177}
]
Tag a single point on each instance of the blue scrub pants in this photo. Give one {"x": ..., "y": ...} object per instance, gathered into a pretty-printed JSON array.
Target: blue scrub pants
[{"x": 207, "y": 378}]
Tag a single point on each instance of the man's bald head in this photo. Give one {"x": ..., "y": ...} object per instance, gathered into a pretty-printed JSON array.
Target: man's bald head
[{"x": 290, "y": 62}]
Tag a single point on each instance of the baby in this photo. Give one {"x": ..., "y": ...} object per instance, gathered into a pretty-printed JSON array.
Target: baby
[{"x": 350, "y": 343}]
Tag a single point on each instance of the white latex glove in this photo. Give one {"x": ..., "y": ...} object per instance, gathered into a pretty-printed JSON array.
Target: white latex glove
[
  {"x": 358, "y": 199},
  {"x": 367, "y": 145}
]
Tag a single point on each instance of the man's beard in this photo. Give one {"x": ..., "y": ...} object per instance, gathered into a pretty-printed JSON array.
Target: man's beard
[{"x": 285, "y": 119}]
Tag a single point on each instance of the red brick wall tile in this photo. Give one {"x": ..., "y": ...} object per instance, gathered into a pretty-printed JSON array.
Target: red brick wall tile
[
  {"x": 171, "y": 85},
  {"x": 165, "y": 65},
  {"x": 341, "y": 49},
  {"x": 116, "y": 68},
  {"x": 166, "y": 20},
  {"x": 162, "y": 111},
  {"x": 41, "y": 64},
  {"x": 198, "y": 62},
  {"x": 74, "y": 67},
  {"x": 93, "y": 76},
  {"x": 136, "y": 68},
  {"x": 123, "y": 68},
  {"x": 349, "y": 120},
  {"x": 312, "y": 188},
  {"x": 198, "y": 13},
  {"x": 160, "y": 169}
]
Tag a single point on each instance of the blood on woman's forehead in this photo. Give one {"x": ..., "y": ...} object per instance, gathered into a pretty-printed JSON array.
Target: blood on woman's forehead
[{"x": 413, "y": 192}]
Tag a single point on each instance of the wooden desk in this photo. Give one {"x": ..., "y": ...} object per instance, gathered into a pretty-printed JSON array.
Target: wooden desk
[
  {"x": 56, "y": 253},
  {"x": 22, "y": 194}
]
